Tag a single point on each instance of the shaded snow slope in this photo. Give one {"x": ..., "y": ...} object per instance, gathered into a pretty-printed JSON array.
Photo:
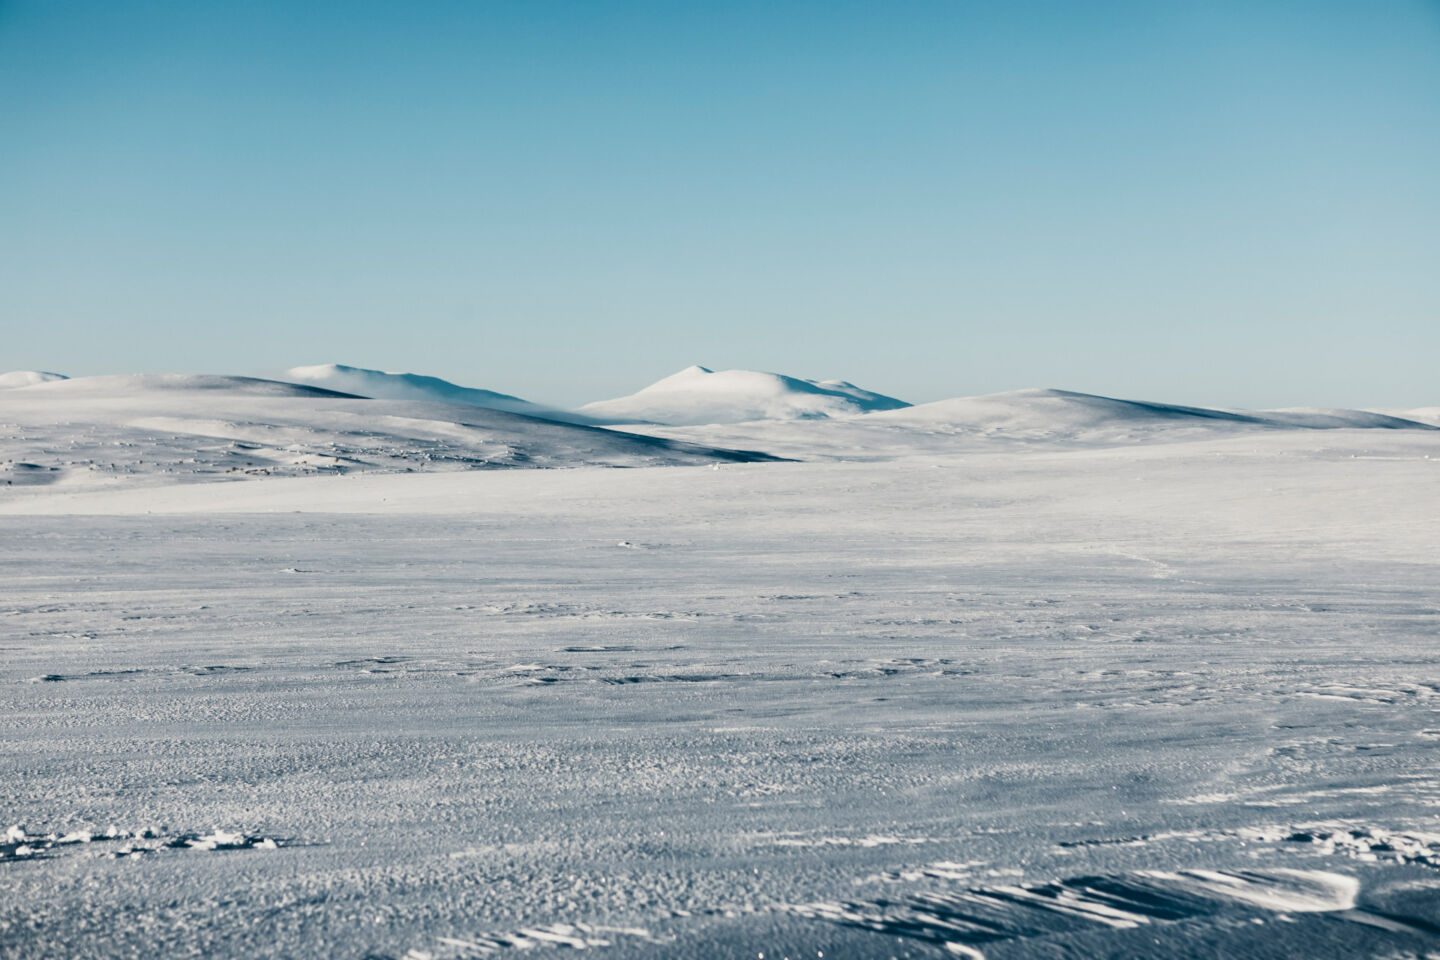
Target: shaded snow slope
[
  {"x": 26, "y": 378},
  {"x": 163, "y": 429},
  {"x": 697, "y": 395},
  {"x": 383, "y": 385}
]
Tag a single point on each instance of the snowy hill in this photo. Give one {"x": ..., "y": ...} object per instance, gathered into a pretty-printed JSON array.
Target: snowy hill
[
  {"x": 26, "y": 378},
  {"x": 162, "y": 429},
  {"x": 1058, "y": 414},
  {"x": 1063, "y": 414},
  {"x": 1059, "y": 418},
  {"x": 382, "y": 385},
  {"x": 697, "y": 395}
]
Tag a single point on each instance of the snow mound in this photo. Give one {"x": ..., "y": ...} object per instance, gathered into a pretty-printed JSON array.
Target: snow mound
[
  {"x": 697, "y": 395},
  {"x": 26, "y": 378},
  {"x": 384, "y": 385}
]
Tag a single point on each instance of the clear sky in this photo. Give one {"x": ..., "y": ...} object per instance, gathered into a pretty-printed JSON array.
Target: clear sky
[{"x": 1214, "y": 202}]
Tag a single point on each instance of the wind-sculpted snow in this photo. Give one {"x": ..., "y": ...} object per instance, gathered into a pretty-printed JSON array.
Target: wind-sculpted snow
[
  {"x": 147, "y": 430},
  {"x": 962, "y": 922},
  {"x": 1168, "y": 700},
  {"x": 697, "y": 395}
]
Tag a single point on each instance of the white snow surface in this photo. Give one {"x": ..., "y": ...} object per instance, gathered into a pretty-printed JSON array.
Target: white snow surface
[
  {"x": 26, "y": 378},
  {"x": 384, "y": 385},
  {"x": 697, "y": 395},
  {"x": 1106, "y": 691}
]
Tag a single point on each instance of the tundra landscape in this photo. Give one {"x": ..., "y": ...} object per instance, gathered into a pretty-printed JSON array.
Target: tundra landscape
[{"x": 372, "y": 666}]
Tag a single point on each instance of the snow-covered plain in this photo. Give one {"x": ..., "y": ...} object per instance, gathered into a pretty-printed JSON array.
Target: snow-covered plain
[{"x": 1120, "y": 688}]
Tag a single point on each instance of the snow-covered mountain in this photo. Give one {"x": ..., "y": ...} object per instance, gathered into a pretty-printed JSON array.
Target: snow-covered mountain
[
  {"x": 169, "y": 428},
  {"x": 383, "y": 385},
  {"x": 697, "y": 395},
  {"x": 26, "y": 378}
]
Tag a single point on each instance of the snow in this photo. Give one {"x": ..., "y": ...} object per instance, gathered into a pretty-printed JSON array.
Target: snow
[
  {"x": 164, "y": 429},
  {"x": 1084, "y": 678},
  {"x": 1332, "y": 419},
  {"x": 1036, "y": 417},
  {"x": 697, "y": 395},
  {"x": 1064, "y": 414},
  {"x": 25, "y": 378},
  {"x": 411, "y": 386}
]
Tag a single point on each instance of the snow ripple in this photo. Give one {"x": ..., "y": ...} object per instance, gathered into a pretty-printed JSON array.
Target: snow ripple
[{"x": 964, "y": 921}]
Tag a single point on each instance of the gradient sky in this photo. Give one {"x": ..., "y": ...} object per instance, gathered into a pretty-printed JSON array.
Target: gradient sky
[{"x": 1230, "y": 203}]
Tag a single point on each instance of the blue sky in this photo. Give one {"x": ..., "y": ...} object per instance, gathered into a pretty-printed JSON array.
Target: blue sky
[{"x": 1223, "y": 203}]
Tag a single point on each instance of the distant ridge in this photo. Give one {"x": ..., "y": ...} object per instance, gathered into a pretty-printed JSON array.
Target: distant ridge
[
  {"x": 1042, "y": 413},
  {"x": 698, "y": 395},
  {"x": 384, "y": 385}
]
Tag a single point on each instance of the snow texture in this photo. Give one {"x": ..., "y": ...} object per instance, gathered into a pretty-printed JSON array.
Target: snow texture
[{"x": 1033, "y": 676}]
